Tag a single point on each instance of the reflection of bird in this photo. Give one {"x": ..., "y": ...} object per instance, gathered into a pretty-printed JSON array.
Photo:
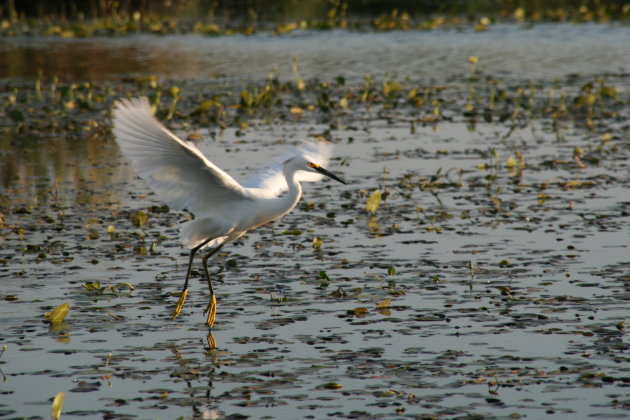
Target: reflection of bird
[{"x": 182, "y": 176}]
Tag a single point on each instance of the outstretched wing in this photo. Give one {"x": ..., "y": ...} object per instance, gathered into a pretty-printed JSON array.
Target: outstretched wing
[
  {"x": 176, "y": 170},
  {"x": 271, "y": 177}
]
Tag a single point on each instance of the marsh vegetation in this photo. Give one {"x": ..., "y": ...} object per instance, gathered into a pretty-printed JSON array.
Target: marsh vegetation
[{"x": 475, "y": 266}]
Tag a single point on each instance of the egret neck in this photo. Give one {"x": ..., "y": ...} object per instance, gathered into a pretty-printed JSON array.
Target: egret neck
[{"x": 286, "y": 202}]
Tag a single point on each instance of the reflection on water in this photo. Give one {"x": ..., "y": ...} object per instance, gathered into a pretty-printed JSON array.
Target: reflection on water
[
  {"x": 59, "y": 171},
  {"x": 545, "y": 51}
]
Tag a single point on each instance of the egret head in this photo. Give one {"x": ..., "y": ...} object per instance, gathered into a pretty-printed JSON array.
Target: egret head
[
  {"x": 306, "y": 163},
  {"x": 316, "y": 167}
]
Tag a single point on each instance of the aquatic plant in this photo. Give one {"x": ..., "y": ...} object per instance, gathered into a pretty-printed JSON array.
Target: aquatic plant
[{"x": 115, "y": 18}]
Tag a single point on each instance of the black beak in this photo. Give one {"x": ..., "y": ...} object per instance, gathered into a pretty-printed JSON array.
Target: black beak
[{"x": 328, "y": 174}]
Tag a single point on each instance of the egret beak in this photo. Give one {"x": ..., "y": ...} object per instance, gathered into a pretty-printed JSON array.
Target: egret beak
[{"x": 325, "y": 172}]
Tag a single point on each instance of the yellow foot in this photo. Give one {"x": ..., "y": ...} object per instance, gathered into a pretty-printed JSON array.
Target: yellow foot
[
  {"x": 180, "y": 304},
  {"x": 211, "y": 341},
  {"x": 211, "y": 310}
]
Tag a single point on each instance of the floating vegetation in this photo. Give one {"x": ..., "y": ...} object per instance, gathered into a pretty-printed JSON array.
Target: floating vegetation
[
  {"x": 95, "y": 287},
  {"x": 218, "y": 20},
  {"x": 317, "y": 242},
  {"x": 58, "y": 315},
  {"x": 81, "y": 110},
  {"x": 373, "y": 202},
  {"x": 505, "y": 226},
  {"x": 139, "y": 218},
  {"x": 57, "y": 406},
  {"x": 325, "y": 280}
]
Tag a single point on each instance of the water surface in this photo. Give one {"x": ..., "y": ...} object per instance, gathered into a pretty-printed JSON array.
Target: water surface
[
  {"x": 545, "y": 51},
  {"x": 534, "y": 330}
]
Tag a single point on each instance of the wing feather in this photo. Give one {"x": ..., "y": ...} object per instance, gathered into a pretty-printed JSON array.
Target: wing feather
[{"x": 176, "y": 170}]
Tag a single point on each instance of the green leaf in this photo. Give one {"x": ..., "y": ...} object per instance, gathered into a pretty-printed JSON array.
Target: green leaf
[
  {"x": 174, "y": 91},
  {"x": 384, "y": 304},
  {"x": 358, "y": 312},
  {"x": 330, "y": 385},
  {"x": 373, "y": 202},
  {"x": 92, "y": 285},
  {"x": 139, "y": 218},
  {"x": 317, "y": 242},
  {"x": 59, "y": 314},
  {"x": 511, "y": 162},
  {"x": 140, "y": 250},
  {"x": 121, "y": 285},
  {"x": 57, "y": 406},
  {"x": 324, "y": 276},
  {"x": 325, "y": 280},
  {"x": 391, "y": 270},
  {"x": 246, "y": 99},
  {"x": 20, "y": 233}
]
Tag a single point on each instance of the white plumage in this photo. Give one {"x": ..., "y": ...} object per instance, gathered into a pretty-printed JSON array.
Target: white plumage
[
  {"x": 271, "y": 177},
  {"x": 186, "y": 180}
]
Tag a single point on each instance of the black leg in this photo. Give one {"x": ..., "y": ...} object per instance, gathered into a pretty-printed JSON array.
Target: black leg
[
  {"x": 204, "y": 260},
  {"x": 184, "y": 294},
  {"x": 190, "y": 260},
  {"x": 211, "y": 309}
]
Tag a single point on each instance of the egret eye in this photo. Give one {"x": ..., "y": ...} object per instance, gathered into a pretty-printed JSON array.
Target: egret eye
[{"x": 312, "y": 165}]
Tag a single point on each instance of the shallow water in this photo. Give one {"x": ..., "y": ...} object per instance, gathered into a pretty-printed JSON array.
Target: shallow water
[
  {"x": 546, "y": 51},
  {"x": 439, "y": 350},
  {"x": 535, "y": 333}
]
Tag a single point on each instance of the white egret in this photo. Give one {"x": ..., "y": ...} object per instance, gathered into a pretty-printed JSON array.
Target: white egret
[{"x": 186, "y": 180}]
